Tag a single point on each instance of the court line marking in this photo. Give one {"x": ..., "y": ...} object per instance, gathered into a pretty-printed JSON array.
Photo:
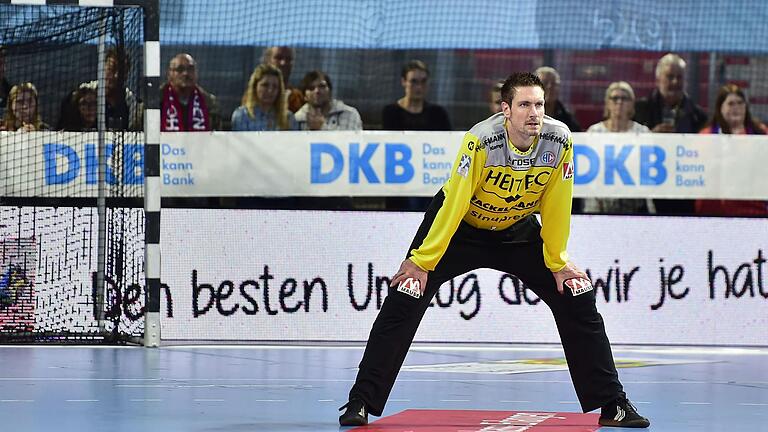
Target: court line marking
[
  {"x": 17, "y": 400},
  {"x": 170, "y": 381},
  {"x": 81, "y": 400},
  {"x": 485, "y": 348},
  {"x": 753, "y": 404}
]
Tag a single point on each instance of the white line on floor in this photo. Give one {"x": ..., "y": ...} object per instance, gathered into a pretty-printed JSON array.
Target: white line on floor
[
  {"x": 753, "y": 404},
  {"x": 82, "y": 400},
  {"x": 17, "y": 400},
  {"x": 325, "y": 400}
]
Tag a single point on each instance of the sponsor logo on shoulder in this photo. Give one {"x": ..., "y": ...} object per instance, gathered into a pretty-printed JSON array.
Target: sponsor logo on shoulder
[
  {"x": 464, "y": 163},
  {"x": 577, "y": 286},
  {"x": 548, "y": 157},
  {"x": 487, "y": 141},
  {"x": 567, "y": 170},
  {"x": 411, "y": 287}
]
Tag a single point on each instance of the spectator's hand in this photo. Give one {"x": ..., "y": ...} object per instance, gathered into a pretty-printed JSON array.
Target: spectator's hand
[
  {"x": 408, "y": 269},
  {"x": 570, "y": 271},
  {"x": 26, "y": 127},
  {"x": 315, "y": 118},
  {"x": 663, "y": 128}
]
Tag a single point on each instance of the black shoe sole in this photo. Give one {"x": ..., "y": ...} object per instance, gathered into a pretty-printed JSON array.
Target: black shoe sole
[
  {"x": 639, "y": 423},
  {"x": 354, "y": 421}
]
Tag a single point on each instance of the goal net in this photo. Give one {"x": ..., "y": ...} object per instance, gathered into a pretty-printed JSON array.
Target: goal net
[{"x": 71, "y": 174}]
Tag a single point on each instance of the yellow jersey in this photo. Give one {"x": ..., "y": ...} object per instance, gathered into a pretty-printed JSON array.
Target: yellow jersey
[{"x": 493, "y": 185}]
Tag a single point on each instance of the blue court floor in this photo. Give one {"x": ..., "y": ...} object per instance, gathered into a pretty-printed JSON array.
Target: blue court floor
[{"x": 292, "y": 388}]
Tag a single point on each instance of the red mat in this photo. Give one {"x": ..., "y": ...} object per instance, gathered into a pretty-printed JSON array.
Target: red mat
[{"x": 482, "y": 421}]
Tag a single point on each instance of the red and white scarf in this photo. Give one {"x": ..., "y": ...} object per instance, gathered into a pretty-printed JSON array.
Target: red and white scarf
[{"x": 197, "y": 111}]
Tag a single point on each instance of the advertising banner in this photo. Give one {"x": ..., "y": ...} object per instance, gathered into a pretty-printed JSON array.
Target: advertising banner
[
  {"x": 370, "y": 163},
  {"x": 248, "y": 275},
  {"x": 418, "y": 163}
]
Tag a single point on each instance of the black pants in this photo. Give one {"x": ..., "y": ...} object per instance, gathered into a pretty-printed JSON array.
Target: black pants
[{"x": 518, "y": 251}]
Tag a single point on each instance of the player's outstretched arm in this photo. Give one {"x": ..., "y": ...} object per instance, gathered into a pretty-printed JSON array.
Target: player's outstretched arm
[
  {"x": 570, "y": 271},
  {"x": 408, "y": 269}
]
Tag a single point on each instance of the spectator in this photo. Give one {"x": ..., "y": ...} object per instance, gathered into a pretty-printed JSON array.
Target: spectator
[
  {"x": 21, "y": 113},
  {"x": 282, "y": 57},
  {"x": 732, "y": 116},
  {"x": 122, "y": 109},
  {"x": 552, "y": 104},
  {"x": 263, "y": 104},
  {"x": 618, "y": 111},
  {"x": 668, "y": 108},
  {"x": 185, "y": 105},
  {"x": 412, "y": 111},
  {"x": 322, "y": 111},
  {"x": 84, "y": 118},
  {"x": 5, "y": 86},
  {"x": 494, "y": 105}
]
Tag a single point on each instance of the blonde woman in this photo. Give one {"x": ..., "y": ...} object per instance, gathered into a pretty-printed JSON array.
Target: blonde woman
[
  {"x": 22, "y": 112},
  {"x": 619, "y": 110},
  {"x": 263, "y": 107}
]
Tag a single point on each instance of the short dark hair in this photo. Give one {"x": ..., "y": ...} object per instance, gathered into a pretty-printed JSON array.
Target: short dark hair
[
  {"x": 314, "y": 75},
  {"x": 414, "y": 65},
  {"x": 518, "y": 79}
]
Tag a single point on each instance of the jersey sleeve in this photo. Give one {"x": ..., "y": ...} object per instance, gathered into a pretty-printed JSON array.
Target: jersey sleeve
[
  {"x": 465, "y": 176},
  {"x": 556, "y": 210}
]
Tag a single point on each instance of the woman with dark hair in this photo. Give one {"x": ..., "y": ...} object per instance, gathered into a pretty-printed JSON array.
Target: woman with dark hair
[
  {"x": 732, "y": 116},
  {"x": 83, "y": 115}
]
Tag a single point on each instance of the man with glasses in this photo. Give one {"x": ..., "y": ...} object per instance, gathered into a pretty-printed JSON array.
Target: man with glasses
[
  {"x": 185, "y": 105},
  {"x": 322, "y": 111},
  {"x": 412, "y": 111}
]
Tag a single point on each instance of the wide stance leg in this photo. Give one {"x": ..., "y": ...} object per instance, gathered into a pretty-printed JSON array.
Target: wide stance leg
[
  {"x": 388, "y": 343},
  {"x": 581, "y": 329}
]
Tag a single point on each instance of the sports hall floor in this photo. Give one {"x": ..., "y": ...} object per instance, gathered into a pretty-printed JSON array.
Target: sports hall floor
[{"x": 299, "y": 388}]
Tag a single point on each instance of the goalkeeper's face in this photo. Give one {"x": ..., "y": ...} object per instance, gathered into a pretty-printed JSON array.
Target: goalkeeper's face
[{"x": 526, "y": 112}]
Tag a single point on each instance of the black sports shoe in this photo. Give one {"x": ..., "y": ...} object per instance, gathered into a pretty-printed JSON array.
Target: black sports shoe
[
  {"x": 355, "y": 415},
  {"x": 621, "y": 413}
]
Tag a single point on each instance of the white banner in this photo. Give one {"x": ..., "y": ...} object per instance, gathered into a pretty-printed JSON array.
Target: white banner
[
  {"x": 372, "y": 163},
  {"x": 65, "y": 164},
  {"x": 418, "y": 163},
  {"x": 237, "y": 275}
]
